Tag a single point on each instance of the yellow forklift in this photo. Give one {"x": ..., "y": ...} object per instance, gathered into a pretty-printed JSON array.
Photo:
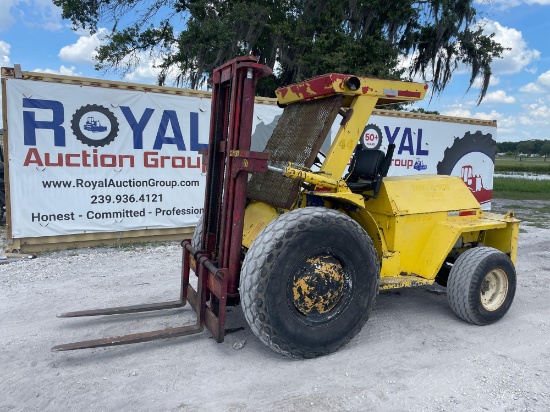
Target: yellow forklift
[{"x": 305, "y": 252}]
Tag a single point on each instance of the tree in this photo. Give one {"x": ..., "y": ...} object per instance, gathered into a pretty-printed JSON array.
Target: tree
[
  {"x": 545, "y": 150},
  {"x": 537, "y": 145},
  {"x": 526, "y": 146},
  {"x": 421, "y": 110},
  {"x": 504, "y": 147},
  {"x": 300, "y": 38}
]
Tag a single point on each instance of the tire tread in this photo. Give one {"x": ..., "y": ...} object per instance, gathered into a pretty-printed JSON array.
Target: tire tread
[
  {"x": 461, "y": 293},
  {"x": 256, "y": 269}
]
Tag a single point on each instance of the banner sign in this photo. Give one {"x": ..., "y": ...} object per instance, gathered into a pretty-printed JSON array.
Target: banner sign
[{"x": 86, "y": 159}]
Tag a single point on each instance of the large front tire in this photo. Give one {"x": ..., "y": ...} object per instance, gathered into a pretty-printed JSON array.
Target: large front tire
[
  {"x": 481, "y": 285},
  {"x": 308, "y": 282}
]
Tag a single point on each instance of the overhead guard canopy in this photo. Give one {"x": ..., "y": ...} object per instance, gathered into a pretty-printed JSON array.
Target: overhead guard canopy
[{"x": 387, "y": 91}]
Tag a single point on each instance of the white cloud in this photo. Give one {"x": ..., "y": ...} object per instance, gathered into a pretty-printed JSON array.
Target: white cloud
[
  {"x": 458, "y": 112},
  {"x": 502, "y": 4},
  {"x": 539, "y": 111},
  {"x": 503, "y": 121},
  {"x": 404, "y": 62},
  {"x": 505, "y": 124},
  {"x": 498, "y": 96},
  {"x": 63, "y": 70},
  {"x": 535, "y": 114},
  {"x": 145, "y": 70},
  {"x": 4, "y": 53},
  {"x": 526, "y": 121},
  {"x": 532, "y": 88},
  {"x": 493, "y": 81},
  {"x": 84, "y": 50},
  {"x": 4, "y": 61},
  {"x": 544, "y": 79},
  {"x": 144, "y": 73},
  {"x": 506, "y": 4},
  {"x": 518, "y": 57},
  {"x": 6, "y": 17},
  {"x": 45, "y": 15},
  {"x": 32, "y": 13},
  {"x": 142, "y": 66},
  {"x": 505, "y": 131}
]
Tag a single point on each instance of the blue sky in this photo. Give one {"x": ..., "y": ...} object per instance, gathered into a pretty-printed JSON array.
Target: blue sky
[{"x": 33, "y": 34}]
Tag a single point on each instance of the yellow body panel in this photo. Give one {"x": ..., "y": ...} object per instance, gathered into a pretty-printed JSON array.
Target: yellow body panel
[
  {"x": 505, "y": 238},
  {"x": 418, "y": 219},
  {"x": 416, "y": 223},
  {"x": 413, "y": 238},
  {"x": 406, "y": 195},
  {"x": 257, "y": 216}
]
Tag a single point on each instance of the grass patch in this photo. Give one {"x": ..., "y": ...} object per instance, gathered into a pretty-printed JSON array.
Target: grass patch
[
  {"x": 525, "y": 165},
  {"x": 521, "y": 189}
]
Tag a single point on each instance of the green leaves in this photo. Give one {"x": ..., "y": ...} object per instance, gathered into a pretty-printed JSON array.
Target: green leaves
[{"x": 299, "y": 38}]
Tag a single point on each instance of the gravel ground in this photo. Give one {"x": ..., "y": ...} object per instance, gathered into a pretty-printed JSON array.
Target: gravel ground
[{"x": 413, "y": 354}]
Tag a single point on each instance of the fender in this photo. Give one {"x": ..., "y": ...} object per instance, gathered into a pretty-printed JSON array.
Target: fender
[{"x": 257, "y": 216}]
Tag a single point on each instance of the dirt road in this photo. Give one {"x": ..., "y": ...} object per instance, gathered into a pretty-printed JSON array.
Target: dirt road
[{"x": 413, "y": 354}]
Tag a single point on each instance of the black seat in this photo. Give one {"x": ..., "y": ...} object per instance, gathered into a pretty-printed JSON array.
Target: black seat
[{"x": 368, "y": 168}]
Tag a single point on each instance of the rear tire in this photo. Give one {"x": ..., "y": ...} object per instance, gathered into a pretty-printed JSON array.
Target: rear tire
[
  {"x": 481, "y": 285},
  {"x": 308, "y": 282}
]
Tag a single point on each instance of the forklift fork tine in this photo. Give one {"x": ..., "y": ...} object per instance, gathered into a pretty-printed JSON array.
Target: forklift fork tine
[
  {"x": 133, "y": 338},
  {"x": 117, "y": 310}
]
